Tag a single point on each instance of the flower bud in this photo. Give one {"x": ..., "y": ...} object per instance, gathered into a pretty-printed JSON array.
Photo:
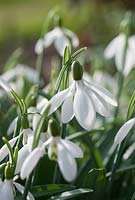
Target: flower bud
[
  {"x": 126, "y": 24},
  {"x": 77, "y": 71},
  {"x": 54, "y": 129},
  {"x": 58, "y": 21}
]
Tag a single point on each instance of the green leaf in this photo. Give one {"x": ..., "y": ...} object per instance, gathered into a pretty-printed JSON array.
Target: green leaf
[
  {"x": 74, "y": 55},
  {"x": 96, "y": 180},
  {"x": 50, "y": 189},
  {"x": 71, "y": 194},
  {"x": 131, "y": 107},
  {"x": 20, "y": 102}
]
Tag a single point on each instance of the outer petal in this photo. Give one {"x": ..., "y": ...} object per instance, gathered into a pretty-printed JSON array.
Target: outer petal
[
  {"x": 120, "y": 52},
  {"x": 67, "y": 163},
  {"x": 124, "y": 130},
  {"x": 12, "y": 125},
  {"x": 4, "y": 150},
  {"x": 5, "y": 85},
  {"x": 130, "y": 58},
  {"x": 73, "y": 36},
  {"x": 67, "y": 109},
  {"x": 50, "y": 37},
  {"x": 7, "y": 191},
  {"x": 22, "y": 155},
  {"x": 30, "y": 162},
  {"x": 84, "y": 109},
  {"x": 39, "y": 47},
  {"x": 20, "y": 188},
  {"x": 105, "y": 94},
  {"x": 100, "y": 104},
  {"x": 110, "y": 50},
  {"x": 73, "y": 148},
  {"x": 60, "y": 44},
  {"x": 57, "y": 100}
]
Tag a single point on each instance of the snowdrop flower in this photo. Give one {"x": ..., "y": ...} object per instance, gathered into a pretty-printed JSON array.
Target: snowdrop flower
[
  {"x": 61, "y": 37},
  {"x": 61, "y": 150},
  {"x": 82, "y": 100},
  {"x": 116, "y": 49},
  {"x": 23, "y": 153},
  {"x": 124, "y": 130},
  {"x": 8, "y": 187}
]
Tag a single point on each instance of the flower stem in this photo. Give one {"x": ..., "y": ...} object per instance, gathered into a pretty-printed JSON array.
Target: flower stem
[
  {"x": 39, "y": 63},
  {"x": 27, "y": 186}
]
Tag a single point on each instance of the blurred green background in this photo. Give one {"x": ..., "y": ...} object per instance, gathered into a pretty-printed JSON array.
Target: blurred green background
[{"x": 95, "y": 21}]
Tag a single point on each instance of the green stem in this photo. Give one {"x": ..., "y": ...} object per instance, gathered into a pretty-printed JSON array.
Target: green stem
[
  {"x": 39, "y": 63},
  {"x": 27, "y": 186}
]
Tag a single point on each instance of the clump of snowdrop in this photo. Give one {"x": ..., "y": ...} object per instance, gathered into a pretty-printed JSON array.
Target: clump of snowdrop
[
  {"x": 82, "y": 100},
  {"x": 61, "y": 150}
]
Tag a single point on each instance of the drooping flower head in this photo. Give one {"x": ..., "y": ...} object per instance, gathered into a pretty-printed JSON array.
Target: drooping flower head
[
  {"x": 61, "y": 150},
  {"x": 82, "y": 100},
  {"x": 60, "y": 37}
]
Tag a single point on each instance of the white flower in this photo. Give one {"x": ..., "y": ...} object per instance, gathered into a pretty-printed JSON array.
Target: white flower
[
  {"x": 82, "y": 100},
  {"x": 23, "y": 153},
  {"x": 7, "y": 190},
  {"x": 60, "y": 37},
  {"x": 123, "y": 132},
  {"x": 61, "y": 150},
  {"x": 116, "y": 49}
]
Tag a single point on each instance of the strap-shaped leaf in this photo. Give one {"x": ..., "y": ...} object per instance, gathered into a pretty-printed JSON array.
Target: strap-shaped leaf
[
  {"x": 50, "y": 189},
  {"x": 71, "y": 194}
]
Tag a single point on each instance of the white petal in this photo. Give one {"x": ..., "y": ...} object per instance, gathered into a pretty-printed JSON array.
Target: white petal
[
  {"x": 9, "y": 75},
  {"x": 39, "y": 47},
  {"x": 22, "y": 155},
  {"x": 130, "y": 58},
  {"x": 4, "y": 150},
  {"x": 50, "y": 37},
  {"x": 124, "y": 130},
  {"x": 84, "y": 109},
  {"x": 73, "y": 36},
  {"x": 67, "y": 163},
  {"x": 12, "y": 126},
  {"x": 67, "y": 110},
  {"x": 73, "y": 148},
  {"x": 5, "y": 85},
  {"x": 42, "y": 103},
  {"x": 30, "y": 162},
  {"x": 105, "y": 94},
  {"x": 20, "y": 188},
  {"x": 120, "y": 52},
  {"x": 7, "y": 191},
  {"x": 60, "y": 44},
  {"x": 100, "y": 104},
  {"x": 110, "y": 50},
  {"x": 57, "y": 100}
]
